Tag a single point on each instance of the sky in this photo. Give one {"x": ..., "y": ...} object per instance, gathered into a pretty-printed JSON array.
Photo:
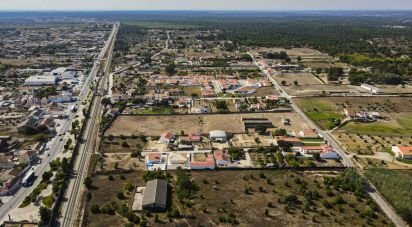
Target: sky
[{"x": 267, "y": 5}]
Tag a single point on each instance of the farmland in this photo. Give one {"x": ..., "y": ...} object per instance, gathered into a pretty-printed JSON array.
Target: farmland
[
  {"x": 323, "y": 112},
  {"x": 395, "y": 186},
  {"x": 155, "y": 125}
]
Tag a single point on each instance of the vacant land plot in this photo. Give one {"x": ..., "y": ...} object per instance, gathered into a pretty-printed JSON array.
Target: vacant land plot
[
  {"x": 323, "y": 111},
  {"x": 319, "y": 89},
  {"x": 265, "y": 91},
  {"x": 255, "y": 198},
  {"x": 245, "y": 198},
  {"x": 104, "y": 194},
  {"x": 123, "y": 145},
  {"x": 302, "y": 79},
  {"x": 397, "y": 109},
  {"x": 155, "y": 125},
  {"x": 407, "y": 89}
]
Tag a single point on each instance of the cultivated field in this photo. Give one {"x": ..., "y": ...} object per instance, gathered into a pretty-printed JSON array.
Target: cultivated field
[{"x": 156, "y": 125}]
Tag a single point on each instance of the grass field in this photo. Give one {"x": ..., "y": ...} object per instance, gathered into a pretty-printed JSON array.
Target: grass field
[
  {"x": 323, "y": 112},
  {"x": 395, "y": 187}
]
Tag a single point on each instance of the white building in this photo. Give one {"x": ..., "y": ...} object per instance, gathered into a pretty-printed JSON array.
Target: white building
[
  {"x": 372, "y": 89},
  {"x": 58, "y": 72},
  {"x": 218, "y": 136},
  {"x": 40, "y": 81}
]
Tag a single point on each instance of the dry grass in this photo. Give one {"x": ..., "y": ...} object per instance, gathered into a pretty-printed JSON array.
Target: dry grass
[{"x": 155, "y": 125}]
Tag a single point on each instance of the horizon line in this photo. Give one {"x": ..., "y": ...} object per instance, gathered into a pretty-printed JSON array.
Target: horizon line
[{"x": 206, "y": 10}]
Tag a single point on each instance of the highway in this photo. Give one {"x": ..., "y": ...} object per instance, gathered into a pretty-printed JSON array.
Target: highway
[
  {"x": 71, "y": 207},
  {"x": 346, "y": 159}
]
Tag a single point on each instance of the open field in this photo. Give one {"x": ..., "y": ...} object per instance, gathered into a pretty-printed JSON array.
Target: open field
[
  {"x": 323, "y": 111},
  {"x": 244, "y": 198},
  {"x": 303, "y": 79},
  {"x": 397, "y": 109},
  {"x": 155, "y": 125},
  {"x": 319, "y": 89},
  {"x": 265, "y": 91},
  {"x": 104, "y": 193},
  {"x": 396, "y": 89}
]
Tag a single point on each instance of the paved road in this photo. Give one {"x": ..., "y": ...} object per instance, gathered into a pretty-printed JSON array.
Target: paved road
[
  {"x": 346, "y": 160},
  {"x": 166, "y": 45},
  {"x": 71, "y": 207}
]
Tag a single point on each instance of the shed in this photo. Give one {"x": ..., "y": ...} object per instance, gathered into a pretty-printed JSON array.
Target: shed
[
  {"x": 155, "y": 195},
  {"x": 218, "y": 136}
]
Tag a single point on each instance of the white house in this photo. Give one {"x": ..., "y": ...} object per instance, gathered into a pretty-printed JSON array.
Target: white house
[
  {"x": 402, "y": 152},
  {"x": 372, "y": 89},
  {"x": 167, "y": 138},
  {"x": 218, "y": 136}
]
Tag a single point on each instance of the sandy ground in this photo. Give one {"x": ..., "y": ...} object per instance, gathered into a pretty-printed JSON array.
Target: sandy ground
[{"x": 155, "y": 125}]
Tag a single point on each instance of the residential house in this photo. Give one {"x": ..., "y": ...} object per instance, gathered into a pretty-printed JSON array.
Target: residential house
[
  {"x": 402, "y": 152},
  {"x": 222, "y": 158},
  {"x": 6, "y": 162},
  {"x": 167, "y": 138},
  {"x": 209, "y": 163},
  {"x": 27, "y": 156}
]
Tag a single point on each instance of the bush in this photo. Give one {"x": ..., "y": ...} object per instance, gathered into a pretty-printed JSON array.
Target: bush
[
  {"x": 95, "y": 209},
  {"x": 326, "y": 204},
  {"x": 120, "y": 195},
  {"x": 48, "y": 201}
]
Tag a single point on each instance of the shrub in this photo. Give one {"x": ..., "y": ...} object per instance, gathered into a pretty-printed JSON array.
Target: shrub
[{"x": 95, "y": 209}]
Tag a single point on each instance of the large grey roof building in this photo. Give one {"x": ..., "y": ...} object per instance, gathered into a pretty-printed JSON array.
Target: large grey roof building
[{"x": 155, "y": 195}]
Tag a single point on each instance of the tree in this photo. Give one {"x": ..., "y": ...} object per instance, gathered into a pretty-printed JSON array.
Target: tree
[
  {"x": 284, "y": 145},
  {"x": 88, "y": 182},
  {"x": 261, "y": 129},
  {"x": 316, "y": 157},
  {"x": 280, "y": 132},
  {"x": 46, "y": 176},
  {"x": 296, "y": 83},
  {"x": 120, "y": 195},
  {"x": 170, "y": 69},
  {"x": 283, "y": 83},
  {"x": 45, "y": 215},
  {"x": 95, "y": 209}
]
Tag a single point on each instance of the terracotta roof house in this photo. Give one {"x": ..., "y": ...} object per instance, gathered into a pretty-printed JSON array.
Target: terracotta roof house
[
  {"x": 208, "y": 164},
  {"x": 222, "y": 158},
  {"x": 167, "y": 138},
  {"x": 402, "y": 152}
]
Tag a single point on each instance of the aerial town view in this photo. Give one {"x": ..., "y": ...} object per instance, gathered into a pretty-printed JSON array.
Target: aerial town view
[{"x": 187, "y": 113}]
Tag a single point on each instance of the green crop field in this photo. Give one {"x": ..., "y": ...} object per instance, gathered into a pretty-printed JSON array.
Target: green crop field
[{"x": 323, "y": 112}]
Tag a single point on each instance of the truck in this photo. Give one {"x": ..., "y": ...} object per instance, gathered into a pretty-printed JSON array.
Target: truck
[{"x": 28, "y": 179}]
